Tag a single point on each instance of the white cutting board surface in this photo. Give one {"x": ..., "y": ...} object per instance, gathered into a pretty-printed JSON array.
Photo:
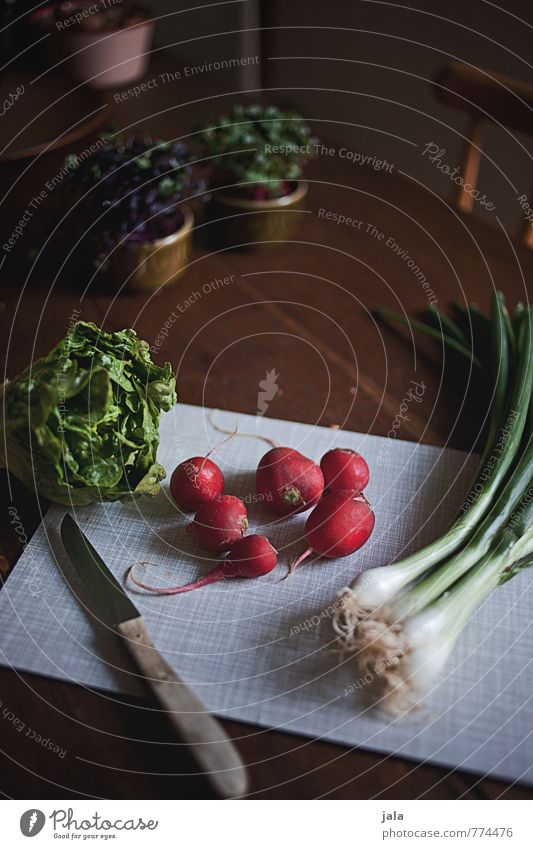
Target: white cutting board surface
[{"x": 261, "y": 651}]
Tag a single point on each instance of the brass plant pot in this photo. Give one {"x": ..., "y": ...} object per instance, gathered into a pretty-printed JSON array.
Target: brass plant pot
[
  {"x": 247, "y": 223},
  {"x": 148, "y": 266}
]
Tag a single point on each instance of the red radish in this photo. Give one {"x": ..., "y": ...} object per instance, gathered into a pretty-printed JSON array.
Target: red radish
[
  {"x": 288, "y": 482},
  {"x": 344, "y": 469},
  {"x": 196, "y": 481},
  {"x": 249, "y": 557},
  {"x": 220, "y": 523},
  {"x": 339, "y": 525}
]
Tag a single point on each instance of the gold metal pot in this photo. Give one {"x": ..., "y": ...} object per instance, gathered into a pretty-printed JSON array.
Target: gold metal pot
[
  {"x": 247, "y": 223},
  {"x": 147, "y": 266}
]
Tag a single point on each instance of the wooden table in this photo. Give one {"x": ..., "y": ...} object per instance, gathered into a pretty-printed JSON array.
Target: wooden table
[{"x": 303, "y": 309}]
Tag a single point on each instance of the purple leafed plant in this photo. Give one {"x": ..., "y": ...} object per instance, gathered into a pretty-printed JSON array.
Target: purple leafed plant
[{"x": 130, "y": 191}]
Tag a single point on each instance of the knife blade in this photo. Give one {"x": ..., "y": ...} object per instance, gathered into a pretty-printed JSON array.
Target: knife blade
[
  {"x": 113, "y": 605},
  {"x": 207, "y": 741}
]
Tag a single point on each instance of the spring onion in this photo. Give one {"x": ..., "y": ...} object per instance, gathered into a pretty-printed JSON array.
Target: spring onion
[{"x": 402, "y": 621}]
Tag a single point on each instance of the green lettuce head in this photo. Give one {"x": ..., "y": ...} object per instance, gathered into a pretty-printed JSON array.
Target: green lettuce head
[{"x": 82, "y": 424}]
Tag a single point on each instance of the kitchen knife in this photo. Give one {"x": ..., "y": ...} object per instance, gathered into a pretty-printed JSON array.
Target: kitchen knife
[{"x": 206, "y": 739}]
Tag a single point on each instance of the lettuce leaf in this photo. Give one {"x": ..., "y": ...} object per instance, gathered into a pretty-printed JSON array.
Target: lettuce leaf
[{"x": 82, "y": 423}]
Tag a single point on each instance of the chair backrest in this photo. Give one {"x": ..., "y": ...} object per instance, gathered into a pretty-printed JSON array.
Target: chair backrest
[{"x": 488, "y": 98}]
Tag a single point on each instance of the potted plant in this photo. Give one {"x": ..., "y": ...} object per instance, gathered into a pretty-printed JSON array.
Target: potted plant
[
  {"x": 104, "y": 43},
  {"x": 131, "y": 217},
  {"x": 256, "y": 156}
]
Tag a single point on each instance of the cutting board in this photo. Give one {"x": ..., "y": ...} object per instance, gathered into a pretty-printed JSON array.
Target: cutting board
[{"x": 262, "y": 651}]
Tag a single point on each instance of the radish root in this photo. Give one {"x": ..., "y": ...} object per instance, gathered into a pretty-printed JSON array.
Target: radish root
[
  {"x": 215, "y": 575},
  {"x": 272, "y": 442},
  {"x": 295, "y": 563},
  {"x": 228, "y": 438}
]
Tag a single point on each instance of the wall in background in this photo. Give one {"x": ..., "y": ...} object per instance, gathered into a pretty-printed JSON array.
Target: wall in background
[
  {"x": 362, "y": 72},
  {"x": 388, "y": 60},
  {"x": 202, "y": 34}
]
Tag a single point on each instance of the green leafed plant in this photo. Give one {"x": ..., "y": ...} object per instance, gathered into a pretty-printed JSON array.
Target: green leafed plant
[
  {"x": 258, "y": 151},
  {"x": 82, "y": 423}
]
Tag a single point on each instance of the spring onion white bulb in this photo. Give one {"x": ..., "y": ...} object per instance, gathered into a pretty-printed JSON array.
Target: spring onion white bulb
[{"x": 402, "y": 659}]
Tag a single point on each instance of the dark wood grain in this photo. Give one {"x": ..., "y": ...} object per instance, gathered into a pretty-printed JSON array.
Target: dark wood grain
[
  {"x": 48, "y": 113},
  {"x": 490, "y": 96},
  {"x": 304, "y": 309},
  {"x": 489, "y": 99}
]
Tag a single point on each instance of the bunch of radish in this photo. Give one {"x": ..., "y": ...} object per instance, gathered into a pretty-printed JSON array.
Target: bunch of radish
[
  {"x": 288, "y": 483},
  {"x": 342, "y": 519}
]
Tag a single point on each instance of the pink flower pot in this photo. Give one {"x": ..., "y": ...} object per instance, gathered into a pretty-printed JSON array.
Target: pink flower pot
[{"x": 103, "y": 59}]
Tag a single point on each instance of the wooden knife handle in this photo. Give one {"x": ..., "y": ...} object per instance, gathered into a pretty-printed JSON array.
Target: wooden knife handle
[{"x": 208, "y": 742}]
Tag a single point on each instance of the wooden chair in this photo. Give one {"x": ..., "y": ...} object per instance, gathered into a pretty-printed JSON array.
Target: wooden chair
[{"x": 488, "y": 98}]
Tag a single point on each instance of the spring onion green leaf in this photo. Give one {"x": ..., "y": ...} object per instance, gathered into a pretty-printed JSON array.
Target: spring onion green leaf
[{"x": 430, "y": 331}]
